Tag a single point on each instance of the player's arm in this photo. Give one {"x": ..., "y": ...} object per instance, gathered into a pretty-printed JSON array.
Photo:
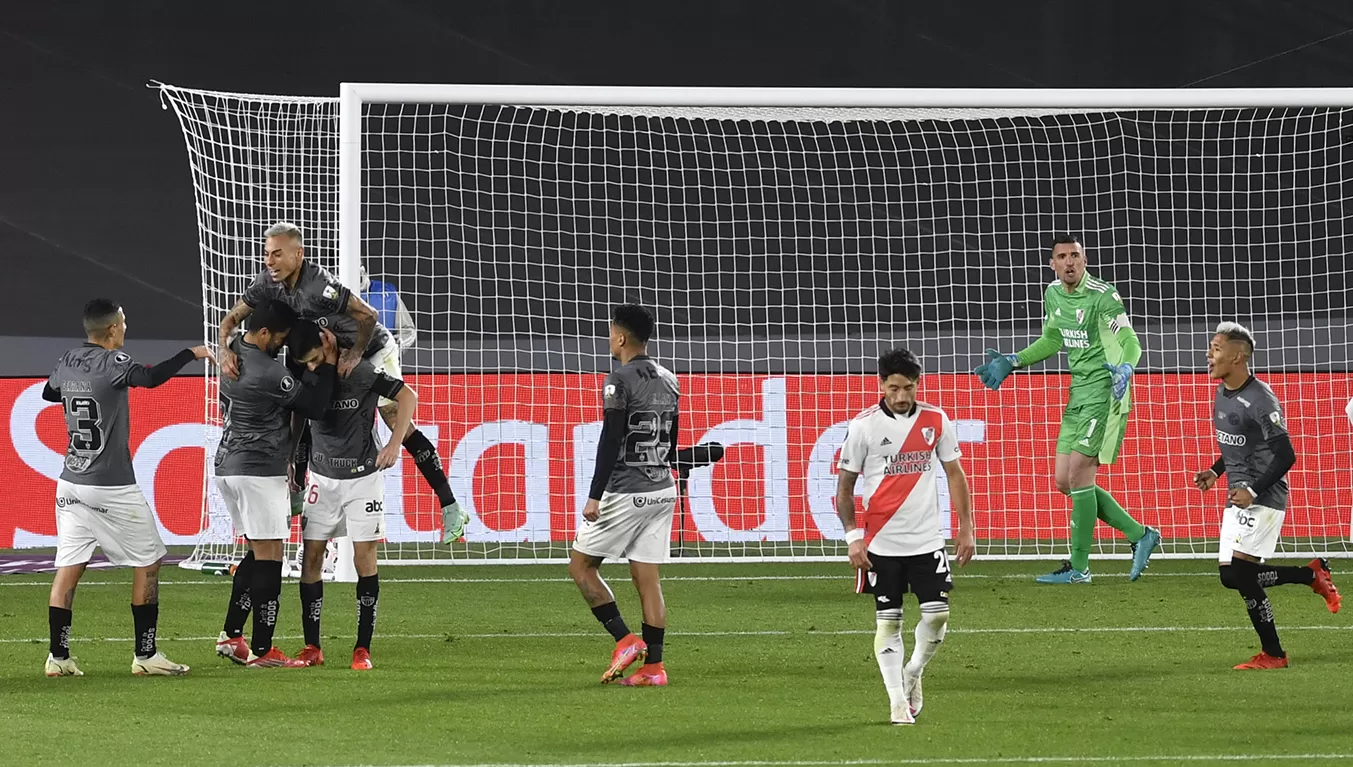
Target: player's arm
[
  {"x": 51, "y": 393},
  {"x": 610, "y": 445},
  {"x": 1274, "y": 431},
  {"x": 405, "y": 403},
  {"x": 854, "y": 451},
  {"x": 1205, "y": 479},
  {"x": 994, "y": 371},
  {"x": 1348, "y": 410},
  {"x": 141, "y": 376},
  {"x": 960, "y": 495},
  {"x": 254, "y": 293},
  {"x": 365, "y": 316},
  {"x": 407, "y": 330},
  {"x": 1118, "y": 325}
]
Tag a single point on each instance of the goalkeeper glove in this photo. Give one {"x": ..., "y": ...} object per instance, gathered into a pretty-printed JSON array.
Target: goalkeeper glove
[
  {"x": 1122, "y": 373},
  {"x": 997, "y": 367}
]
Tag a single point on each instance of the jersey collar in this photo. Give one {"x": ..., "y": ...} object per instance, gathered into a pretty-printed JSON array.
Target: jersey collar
[
  {"x": 1084, "y": 285},
  {"x": 1225, "y": 392},
  {"x": 883, "y": 407}
]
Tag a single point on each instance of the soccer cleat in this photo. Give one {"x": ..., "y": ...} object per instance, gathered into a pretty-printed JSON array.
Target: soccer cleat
[
  {"x": 1324, "y": 584},
  {"x": 311, "y": 655},
  {"x": 157, "y": 665},
  {"x": 628, "y": 651},
  {"x": 1264, "y": 660},
  {"x": 454, "y": 520},
  {"x": 1065, "y": 574},
  {"x": 62, "y": 667},
  {"x": 902, "y": 714},
  {"x": 914, "y": 700},
  {"x": 361, "y": 659},
  {"x": 1142, "y": 551},
  {"x": 648, "y": 675},
  {"x": 235, "y": 650},
  {"x": 274, "y": 658}
]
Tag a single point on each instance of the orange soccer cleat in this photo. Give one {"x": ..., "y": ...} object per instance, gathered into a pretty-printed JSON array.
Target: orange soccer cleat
[
  {"x": 311, "y": 656},
  {"x": 1324, "y": 584},
  {"x": 648, "y": 675},
  {"x": 274, "y": 658},
  {"x": 235, "y": 649},
  {"x": 628, "y": 651},
  {"x": 1264, "y": 660},
  {"x": 361, "y": 659}
]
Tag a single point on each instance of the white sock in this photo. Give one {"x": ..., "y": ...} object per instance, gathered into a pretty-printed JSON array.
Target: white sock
[
  {"x": 890, "y": 653},
  {"x": 930, "y": 632}
]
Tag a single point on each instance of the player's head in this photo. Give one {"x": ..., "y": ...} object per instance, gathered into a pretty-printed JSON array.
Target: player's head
[
  {"x": 1068, "y": 258},
  {"x": 269, "y": 325},
  {"x": 105, "y": 324},
  {"x": 283, "y": 250},
  {"x": 1230, "y": 351},
  {"x": 304, "y": 345},
  {"x": 631, "y": 327},
  {"x": 899, "y": 375}
]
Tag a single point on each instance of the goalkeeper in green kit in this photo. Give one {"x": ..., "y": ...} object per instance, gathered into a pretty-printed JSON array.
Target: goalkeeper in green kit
[{"x": 1086, "y": 316}]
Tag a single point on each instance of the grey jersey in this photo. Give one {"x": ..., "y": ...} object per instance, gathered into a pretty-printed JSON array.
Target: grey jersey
[
  {"x": 255, "y": 420},
  {"x": 648, "y": 393},
  {"x": 92, "y": 382},
  {"x": 343, "y": 445},
  {"x": 319, "y": 297},
  {"x": 1246, "y": 420}
]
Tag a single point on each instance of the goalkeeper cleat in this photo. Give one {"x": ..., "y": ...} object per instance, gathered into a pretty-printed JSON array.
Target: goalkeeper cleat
[
  {"x": 914, "y": 700},
  {"x": 902, "y": 714},
  {"x": 235, "y": 650},
  {"x": 1264, "y": 660},
  {"x": 454, "y": 520},
  {"x": 1065, "y": 574},
  {"x": 628, "y": 651},
  {"x": 312, "y": 655},
  {"x": 62, "y": 667},
  {"x": 1142, "y": 551},
  {"x": 1324, "y": 584},
  {"x": 274, "y": 658},
  {"x": 361, "y": 659},
  {"x": 157, "y": 665},
  {"x": 648, "y": 675}
]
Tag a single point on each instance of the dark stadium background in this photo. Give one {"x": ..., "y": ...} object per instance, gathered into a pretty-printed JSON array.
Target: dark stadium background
[{"x": 94, "y": 184}]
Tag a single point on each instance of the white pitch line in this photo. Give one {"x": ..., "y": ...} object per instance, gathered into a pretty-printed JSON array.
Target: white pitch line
[{"x": 1170, "y": 758}]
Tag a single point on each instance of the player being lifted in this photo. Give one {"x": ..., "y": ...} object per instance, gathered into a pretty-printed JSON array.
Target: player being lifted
[
  {"x": 1085, "y": 315},
  {"x": 900, "y": 545},
  {"x": 98, "y": 502},
  {"x": 317, "y": 296},
  {"x": 346, "y": 492},
  {"x": 251, "y": 472},
  {"x": 1256, "y": 454},
  {"x": 629, "y": 508}
]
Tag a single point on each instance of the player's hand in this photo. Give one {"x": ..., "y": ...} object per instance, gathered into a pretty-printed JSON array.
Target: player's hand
[
  {"x": 388, "y": 455},
  {"x": 964, "y": 547},
  {"x": 328, "y": 345},
  {"x": 1122, "y": 374},
  {"x": 859, "y": 555},
  {"x": 1242, "y": 497},
  {"x": 996, "y": 368},
  {"x": 592, "y": 510},
  {"x": 1204, "y": 480},
  {"x": 203, "y": 353},
  {"x": 228, "y": 362}
]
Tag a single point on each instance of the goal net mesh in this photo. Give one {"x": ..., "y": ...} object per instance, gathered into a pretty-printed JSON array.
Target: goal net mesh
[{"x": 781, "y": 251}]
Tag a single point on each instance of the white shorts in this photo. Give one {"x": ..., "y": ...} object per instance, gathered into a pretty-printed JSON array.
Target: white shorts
[
  {"x": 636, "y": 526},
  {"x": 114, "y": 517},
  {"x": 386, "y": 360},
  {"x": 260, "y": 507},
  {"x": 338, "y": 507},
  {"x": 1252, "y": 530}
]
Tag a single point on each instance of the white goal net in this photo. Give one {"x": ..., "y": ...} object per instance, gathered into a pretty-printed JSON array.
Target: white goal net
[{"x": 782, "y": 249}]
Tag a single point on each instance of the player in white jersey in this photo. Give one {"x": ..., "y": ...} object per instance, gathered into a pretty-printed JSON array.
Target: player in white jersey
[{"x": 900, "y": 545}]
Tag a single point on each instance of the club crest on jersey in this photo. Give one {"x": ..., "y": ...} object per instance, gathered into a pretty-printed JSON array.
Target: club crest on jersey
[
  {"x": 330, "y": 292},
  {"x": 1276, "y": 418},
  {"x": 1080, "y": 316},
  {"x": 928, "y": 434}
]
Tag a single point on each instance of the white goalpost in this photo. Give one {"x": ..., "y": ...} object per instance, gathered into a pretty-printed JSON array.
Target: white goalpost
[{"x": 784, "y": 237}]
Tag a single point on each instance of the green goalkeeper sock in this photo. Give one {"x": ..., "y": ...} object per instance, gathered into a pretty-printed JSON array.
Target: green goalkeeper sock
[
  {"x": 1116, "y": 517},
  {"x": 1083, "y": 510}
]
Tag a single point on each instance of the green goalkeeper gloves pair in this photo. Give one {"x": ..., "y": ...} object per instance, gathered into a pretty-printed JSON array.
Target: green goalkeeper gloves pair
[{"x": 998, "y": 366}]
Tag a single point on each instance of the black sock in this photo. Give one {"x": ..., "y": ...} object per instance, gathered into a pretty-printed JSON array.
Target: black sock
[
  {"x": 145, "y": 618},
  {"x": 312, "y": 604},
  {"x": 238, "y": 610},
  {"x": 301, "y": 460},
  {"x": 58, "y": 620},
  {"x": 425, "y": 458},
  {"x": 1280, "y": 575},
  {"x": 265, "y": 592},
  {"x": 653, "y": 638},
  {"x": 609, "y": 615},
  {"x": 368, "y": 594},
  {"x": 1257, "y": 605}
]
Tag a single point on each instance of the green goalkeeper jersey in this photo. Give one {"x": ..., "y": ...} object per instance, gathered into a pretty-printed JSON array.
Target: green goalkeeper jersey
[{"x": 1092, "y": 325}]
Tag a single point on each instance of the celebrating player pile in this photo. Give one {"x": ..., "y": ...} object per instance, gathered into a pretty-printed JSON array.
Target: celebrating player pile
[{"x": 1085, "y": 315}]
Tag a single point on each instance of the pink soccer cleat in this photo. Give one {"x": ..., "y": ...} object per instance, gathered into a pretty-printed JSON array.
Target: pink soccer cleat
[
  {"x": 648, "y": 675},
  {"x": 311, "y": 655},
  {"x": 628, "y": 651}
]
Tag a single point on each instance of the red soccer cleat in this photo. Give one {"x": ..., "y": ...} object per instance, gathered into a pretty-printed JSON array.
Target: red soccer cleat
[
  {"x": 628, "y": 651},
  {"x": 235, "y": 650},
  {"x": 648, "y": 675},
  {"x": 361, "y": 659},
  {"x": 1324, "y": 584},
  {"x": 311, "y": 656},
  {"x": 274, "y": 658},
  {"x": 1264, "y": 660}
]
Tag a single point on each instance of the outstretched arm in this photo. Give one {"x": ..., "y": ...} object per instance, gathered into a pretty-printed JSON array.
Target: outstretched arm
[{"x": 1047, "y": 344}]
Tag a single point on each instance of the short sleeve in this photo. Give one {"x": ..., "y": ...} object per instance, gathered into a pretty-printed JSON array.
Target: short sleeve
[
  {"x": 613, "y": 394},
  {"x": 1269, "y": 415},
  {"x": 330, "y": 295},
  {"x": 280, "y": 385},
  {"x": 386, "y": 386},
  {"x": 855, "y": 449},
  {"x": 946, "y": 448},
  {"x": 119, "y": 367},
  {"x": 257, "y": 291}
]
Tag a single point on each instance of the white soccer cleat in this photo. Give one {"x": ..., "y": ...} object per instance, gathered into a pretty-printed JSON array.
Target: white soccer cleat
[
  {"x": 236, "y": 650},
  {"x": 913, "y": 692},
  {"x": 902, "y": 714},
  {"x": 157, "y": 665},
  {"x": 65, "y": 667}
]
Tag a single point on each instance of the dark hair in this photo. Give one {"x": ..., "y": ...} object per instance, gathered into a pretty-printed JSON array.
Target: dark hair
[
  {"x": 274, "y": 315},
  {"x": 635, "y": 320},
  {"x": 100, "y": 313},
  {"x": 304, "y": 338},
  {"x": 899, "y": 362},
  {"x": 1065, "y": 238}
]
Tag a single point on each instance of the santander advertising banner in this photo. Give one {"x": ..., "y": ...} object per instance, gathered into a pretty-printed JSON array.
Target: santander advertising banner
[{"x": 519, "y": 449}]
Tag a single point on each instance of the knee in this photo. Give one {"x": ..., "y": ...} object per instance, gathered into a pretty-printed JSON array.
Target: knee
[
  {"x": 1064, "y": 485},
  {"x": 578, "y": 570},
  {"x": 1238, "y": 576},
  {"x": 935, "y": 616}
]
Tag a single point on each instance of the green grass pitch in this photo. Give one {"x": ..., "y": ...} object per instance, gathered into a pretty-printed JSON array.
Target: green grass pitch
[{"x": 770, "y": 665}]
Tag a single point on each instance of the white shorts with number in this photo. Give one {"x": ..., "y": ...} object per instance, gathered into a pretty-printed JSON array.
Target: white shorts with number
[
  {"x": 386, "y": 360},
  {"x": 338, "y": 507},
  {"x": 260, "y": 507},
  {"x": 636, "y": 526},
  {"x": 1252, "y": 530},
  {"x": 114, "y": 517}
]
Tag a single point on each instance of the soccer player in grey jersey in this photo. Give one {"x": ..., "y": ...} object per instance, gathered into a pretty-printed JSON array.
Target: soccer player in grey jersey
[
  {"x": 629, "y": 508},
  {"x": 317, "y": 296},
  {"x": 1256, "y": 454},
  {"x": 251, "y": 472},
  {"x": 346, "y": 494},
  {"x": 98, "y": 502}
]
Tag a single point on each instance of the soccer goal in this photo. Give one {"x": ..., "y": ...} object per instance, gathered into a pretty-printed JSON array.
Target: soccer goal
[{"x": 784, "y": 237}]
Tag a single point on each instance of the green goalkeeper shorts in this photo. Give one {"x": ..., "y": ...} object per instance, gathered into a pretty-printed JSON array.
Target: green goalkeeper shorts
[{"x": 1092, "y": 429}]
